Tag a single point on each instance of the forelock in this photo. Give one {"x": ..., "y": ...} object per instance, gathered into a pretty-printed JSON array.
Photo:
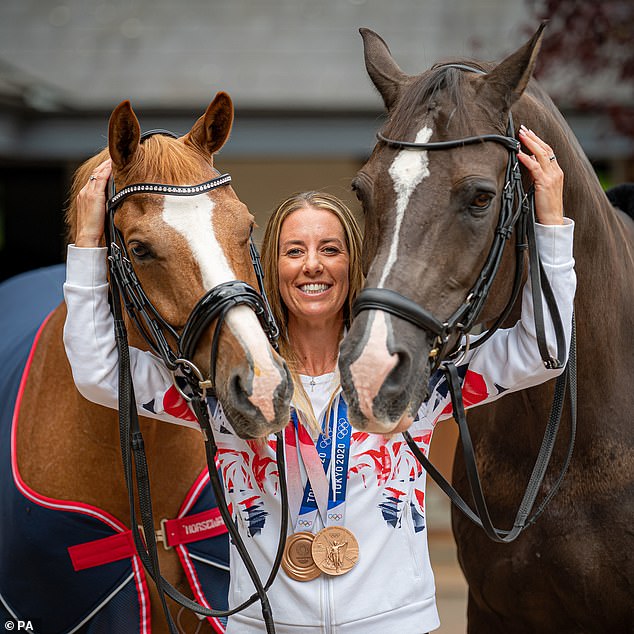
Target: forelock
[{"x": 442, "y": 81}]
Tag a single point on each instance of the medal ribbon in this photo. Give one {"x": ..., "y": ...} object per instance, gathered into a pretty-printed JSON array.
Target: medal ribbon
[
  {"x": 292, "y": 471},
  {"x": 341, "y": 437},
  {"x": 328, "y": 456},
  {"x": 316, "y": 458},
  {"x": 294, "y": 435}
]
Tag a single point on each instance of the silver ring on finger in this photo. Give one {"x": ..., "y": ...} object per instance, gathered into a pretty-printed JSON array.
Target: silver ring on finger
[
  {"x": 94, "y": 178},
  {"x": 552, "y": 158}
]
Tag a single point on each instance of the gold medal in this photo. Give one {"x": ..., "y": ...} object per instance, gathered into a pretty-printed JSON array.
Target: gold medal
[
  {"x": 297, "y": 560},
  {"x": 335, "y": 550}
]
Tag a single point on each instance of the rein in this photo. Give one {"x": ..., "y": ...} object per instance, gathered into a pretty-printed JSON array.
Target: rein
[
  {"x": 214, "y": 305},
  {"x": 517, "y": 213}
]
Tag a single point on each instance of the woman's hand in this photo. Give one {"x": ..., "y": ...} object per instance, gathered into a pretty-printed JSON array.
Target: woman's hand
[
  {"x": 91, "y": 208},
  {"x": 547, "y": 176}
]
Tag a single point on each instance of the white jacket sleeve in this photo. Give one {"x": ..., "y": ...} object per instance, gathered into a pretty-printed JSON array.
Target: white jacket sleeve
[
  {"x": 92, "y": 351},
  {"x": 510, "y": 360}
]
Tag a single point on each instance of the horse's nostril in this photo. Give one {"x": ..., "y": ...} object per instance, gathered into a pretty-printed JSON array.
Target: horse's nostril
[
  {"x": 237, "y": 390},
  {"x": 239, "y": 398},
  {"x": 398, "y": 378},
  {"x": 264, "y": 407}
]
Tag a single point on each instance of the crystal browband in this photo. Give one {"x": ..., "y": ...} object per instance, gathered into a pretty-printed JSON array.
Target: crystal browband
[{"x": 168, "y": 190}]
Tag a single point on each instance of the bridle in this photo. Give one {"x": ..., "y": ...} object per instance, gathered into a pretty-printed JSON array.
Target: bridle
[
  {"x": 464, "y": 317},
  {"x": 213, "y": 306},
  {"x": 516, "y": 208},
  {"x": 517, "y": 213}
]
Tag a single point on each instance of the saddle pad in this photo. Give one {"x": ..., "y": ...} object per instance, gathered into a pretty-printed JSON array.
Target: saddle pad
[{"x": 37, "y": 579}]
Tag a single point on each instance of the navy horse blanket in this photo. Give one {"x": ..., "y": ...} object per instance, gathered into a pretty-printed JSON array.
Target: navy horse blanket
[{"x": 69, "y": 566}]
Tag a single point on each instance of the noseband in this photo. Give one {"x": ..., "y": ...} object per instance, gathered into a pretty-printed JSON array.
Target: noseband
[
  {"x": 516, "y": 207},
  {"x": 214, "y": 305}
]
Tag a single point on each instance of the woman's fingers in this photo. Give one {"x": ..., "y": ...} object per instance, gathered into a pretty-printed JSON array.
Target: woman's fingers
[
  {"x": 542, "y": 152},
  {"x": 547, "y": 176},
  {"x": 91, "y": 207},
  {"x": 101, "y": 173}
]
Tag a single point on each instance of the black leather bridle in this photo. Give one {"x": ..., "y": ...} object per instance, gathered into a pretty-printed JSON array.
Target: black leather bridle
[
  {"x": 517, "y": 213},
  {"x": 213, "y": 306}
]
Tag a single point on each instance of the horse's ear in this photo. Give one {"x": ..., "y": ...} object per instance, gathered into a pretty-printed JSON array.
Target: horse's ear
[
  {"x": 212, "y": 130},
  {"x": 124, "y": 134},
  {"x": 383, "y": 70},
  {"x": 508, "y": 80}
]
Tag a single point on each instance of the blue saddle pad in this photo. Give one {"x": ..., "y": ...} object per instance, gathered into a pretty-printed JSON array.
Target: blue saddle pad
[
  {"x": 26, "y": 300},
  {"x": 34, "y": 538}
]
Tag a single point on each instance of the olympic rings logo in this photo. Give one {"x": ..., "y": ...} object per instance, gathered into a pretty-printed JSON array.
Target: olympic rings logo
[
  {"x": 337, "y": 517},
  {"x": 304, "y": 523},
  {"x": 343, "y": 427}
]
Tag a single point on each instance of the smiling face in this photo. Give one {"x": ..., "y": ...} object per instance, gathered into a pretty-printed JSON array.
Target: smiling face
[{"x": 313, "y": 265}]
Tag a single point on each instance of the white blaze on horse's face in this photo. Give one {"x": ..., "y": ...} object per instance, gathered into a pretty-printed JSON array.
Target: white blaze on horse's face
[
  {"x": 407, "y": 171},
  {"x": 192, "y": 217},
  {"x": 370, "y": 370}
]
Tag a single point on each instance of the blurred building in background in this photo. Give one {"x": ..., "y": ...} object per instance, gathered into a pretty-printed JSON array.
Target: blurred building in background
[{"x": 306, "y": 113}]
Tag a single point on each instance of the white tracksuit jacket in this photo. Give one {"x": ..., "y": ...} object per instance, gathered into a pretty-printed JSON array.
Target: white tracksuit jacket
[{"x": 392, "y": 586}]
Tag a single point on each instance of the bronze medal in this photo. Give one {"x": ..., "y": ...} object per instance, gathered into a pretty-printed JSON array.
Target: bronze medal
[
  {"x": 335, "y": 550},
  {"x": 297, "y": 560}
]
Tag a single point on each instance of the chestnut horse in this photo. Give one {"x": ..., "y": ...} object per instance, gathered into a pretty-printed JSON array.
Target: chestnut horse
[
  {"x": 573, "y": 571},
  {"x": 66, "y": 450}
]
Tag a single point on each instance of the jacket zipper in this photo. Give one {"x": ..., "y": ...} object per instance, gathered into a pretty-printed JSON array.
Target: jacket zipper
[{"x": 327, "y": 586}]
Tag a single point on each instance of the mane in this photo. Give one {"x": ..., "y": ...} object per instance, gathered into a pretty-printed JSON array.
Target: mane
[
  {"x": 160, "y": 159},
  {"x": 439, "y": 78},
  {"x": 584, "y": 198}
]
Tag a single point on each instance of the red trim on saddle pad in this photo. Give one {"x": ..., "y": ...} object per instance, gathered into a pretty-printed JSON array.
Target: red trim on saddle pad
[
  {"x": 194, "y": 584},
  {"x": 184, "y": 555}
]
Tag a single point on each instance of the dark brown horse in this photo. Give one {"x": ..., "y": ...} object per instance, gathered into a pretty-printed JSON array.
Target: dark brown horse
[
  {"x": 66, "y": 448},
  {"x": 573, "y": 571}
]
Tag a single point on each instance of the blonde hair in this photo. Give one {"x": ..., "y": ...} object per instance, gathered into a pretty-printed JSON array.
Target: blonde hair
[{"x": 270, "y": 254}]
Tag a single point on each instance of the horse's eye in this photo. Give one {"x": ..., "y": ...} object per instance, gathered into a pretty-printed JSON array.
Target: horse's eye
[
  {"x": 481, "y": 201},
  {"x": 360, "y": 190},
  {"x": 139, "y": 251}
]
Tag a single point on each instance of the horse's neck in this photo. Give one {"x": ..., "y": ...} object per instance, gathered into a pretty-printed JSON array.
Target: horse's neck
[
  {"x": 604, "y": 238},
  {"x": 604, "y": 300}
]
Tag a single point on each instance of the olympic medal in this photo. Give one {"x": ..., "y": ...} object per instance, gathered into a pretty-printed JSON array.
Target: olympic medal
[
  {"x": 335, "y": 550},
  {"x": 297, "y": 560}
]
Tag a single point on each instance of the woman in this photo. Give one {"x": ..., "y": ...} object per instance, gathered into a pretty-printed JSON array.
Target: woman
[
  {"x": 312, "y": 274},
  {"x": 357, "y": 558}
]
